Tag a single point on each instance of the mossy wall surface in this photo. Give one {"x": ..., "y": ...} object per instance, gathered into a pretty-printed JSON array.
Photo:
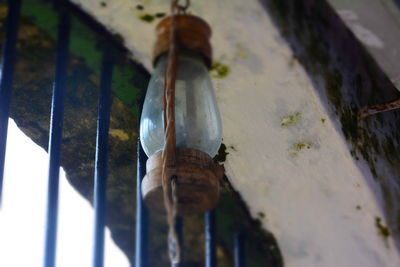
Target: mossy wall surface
[{"x": 347, "y": 79}]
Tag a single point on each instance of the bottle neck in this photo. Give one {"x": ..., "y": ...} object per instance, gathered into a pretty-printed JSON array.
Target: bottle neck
[{"x": 183, "y": 53}]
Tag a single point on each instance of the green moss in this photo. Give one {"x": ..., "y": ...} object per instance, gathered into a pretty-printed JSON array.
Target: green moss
[
  {"x": 147, "y": 18},
  {"x": 297, "y": 147},
  {"x": 221, "y": 155},
  {"x": 103, "y": 4},
  {"x": 391, "y": 150},
  {"x": 374, "y": 139},
  {"x": 139, "y": 7},
  {"x": 349, "y": 122},
  {"x": 290, "y": 120},
  {"x": 316, "y": 52},
  {"x": 124, "y": 87},
  {"x": 333, "y": 84},
  {"x": 219, "y": 70},
  {"x": 84, "y": 44},
  {"x": 358, "y": 207},
  {"x": 353, "y": 153},
  {"x": 42, "y": 15},
  {"x": 323, "y": 120},
  {"x": 382, "y": 230},
  {"x": 160, "y": 15}
]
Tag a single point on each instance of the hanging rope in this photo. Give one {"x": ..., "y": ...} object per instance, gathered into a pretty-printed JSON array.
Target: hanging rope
[{"x": 169, "y": 178}]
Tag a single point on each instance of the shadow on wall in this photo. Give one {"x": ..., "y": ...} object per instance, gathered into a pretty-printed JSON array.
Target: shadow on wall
[{"x": 397, "y": 2}]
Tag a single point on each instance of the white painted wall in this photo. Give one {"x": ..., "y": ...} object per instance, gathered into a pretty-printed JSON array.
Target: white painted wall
[{"x": 309, "y": 194}]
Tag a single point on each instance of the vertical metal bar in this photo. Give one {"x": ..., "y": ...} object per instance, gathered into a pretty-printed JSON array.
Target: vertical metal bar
[
  {"x": 55, "y": 136},
  {"x": 141, "y": 256},
  {"x": 6, "y": 77},
  {"x": 239, "y": 250},
  {"x": 101, "y": 166},
  {"x": 210, "y": 230},
  {"x": 179, "y": 232}
]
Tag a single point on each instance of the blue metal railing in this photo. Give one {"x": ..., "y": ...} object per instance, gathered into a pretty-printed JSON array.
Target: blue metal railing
[
  {"x": 142, "y": 216},
  {"x": 55, "y": 137},
  {"x": 210, "y": 233},
  {"x": 100, "y": 176},
  {"x": 238, "y": 249}
]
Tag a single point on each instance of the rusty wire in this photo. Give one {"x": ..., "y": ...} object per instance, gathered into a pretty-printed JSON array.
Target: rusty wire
[
  {"x": 379, "y": 108},
  {"x": 169, "y": 178}
]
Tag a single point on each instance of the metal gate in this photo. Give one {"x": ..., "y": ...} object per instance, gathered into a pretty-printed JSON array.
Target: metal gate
[{"x": 55, "y": 136}]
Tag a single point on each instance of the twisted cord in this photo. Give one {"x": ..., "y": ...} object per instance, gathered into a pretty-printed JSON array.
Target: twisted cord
[
  {"x": 169, "y": 179},
  {"x": 375, "y": 109}
]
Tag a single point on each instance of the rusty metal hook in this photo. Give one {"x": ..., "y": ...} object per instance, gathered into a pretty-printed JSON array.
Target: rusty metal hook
[{"x": 179, "y": 7}]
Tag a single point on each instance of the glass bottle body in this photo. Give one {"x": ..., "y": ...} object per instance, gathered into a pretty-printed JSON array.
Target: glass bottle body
[{"x": 197, "y": 118}]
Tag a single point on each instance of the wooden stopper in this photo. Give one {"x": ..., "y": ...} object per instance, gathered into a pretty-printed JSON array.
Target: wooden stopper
[
  {"x": 192, "y": 35},
  {"x": 197, "y": 182}
]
